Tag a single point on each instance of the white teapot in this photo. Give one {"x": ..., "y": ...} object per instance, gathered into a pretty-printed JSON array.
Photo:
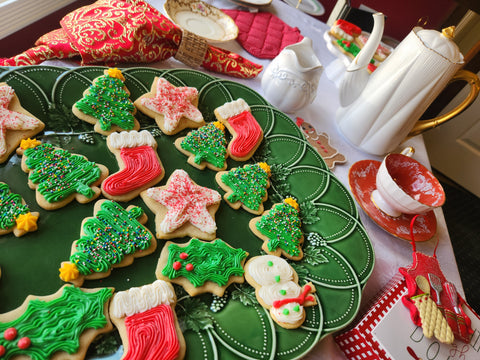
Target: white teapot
[{"x": 380, "y": 110}]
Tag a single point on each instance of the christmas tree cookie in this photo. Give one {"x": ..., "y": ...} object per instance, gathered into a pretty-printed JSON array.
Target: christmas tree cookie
[
  {"x": 58, "y": 326},
  {"x": 246, "y": 132},
  {"x": 16, "y": 123},
  {"x": 280, "y": 230},
  {"x": 205, "y": 147},
  {"x": 60, "y": 177},
  {"x": 113, "y": 237},
  {"x": 246, "y": 186},
  {"x": 107, "y": 105},
  {"x": 201, "y": 267},
  {"x": 15, "y": 214},
  {"x": 146, "y": 320},
  {"x": 183, "y": 208},
  {"x": 173, "y": 108},
  {"x": 140, "y": 166},
  {"x": 276, "y": 288}
]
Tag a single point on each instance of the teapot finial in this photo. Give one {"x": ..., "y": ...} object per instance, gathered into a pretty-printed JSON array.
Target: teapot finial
[{"x": 449, "y": 32}]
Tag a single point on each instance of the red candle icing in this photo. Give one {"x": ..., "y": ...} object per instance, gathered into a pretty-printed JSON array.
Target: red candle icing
[
  {"x": 301, "y": 299},
  {"x": 248, "y": 134}
]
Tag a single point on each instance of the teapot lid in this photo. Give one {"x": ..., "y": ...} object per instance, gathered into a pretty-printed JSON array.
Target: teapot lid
[{"x": 442, "y": 43}]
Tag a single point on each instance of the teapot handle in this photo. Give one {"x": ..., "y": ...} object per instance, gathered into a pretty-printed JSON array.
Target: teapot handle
[{"x": 473, "y": 81}]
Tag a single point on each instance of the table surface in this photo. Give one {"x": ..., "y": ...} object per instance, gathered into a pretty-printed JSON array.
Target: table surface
[{"x": 390, "y": 252}]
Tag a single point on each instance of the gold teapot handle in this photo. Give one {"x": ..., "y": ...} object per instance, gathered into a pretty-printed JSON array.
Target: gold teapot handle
[{"x": 473, "y": 81}]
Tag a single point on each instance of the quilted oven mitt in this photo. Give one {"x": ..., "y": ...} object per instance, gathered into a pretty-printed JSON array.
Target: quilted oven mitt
[
  {"x": 263, "y": 34},
  {"x": 116, "y": 31}
]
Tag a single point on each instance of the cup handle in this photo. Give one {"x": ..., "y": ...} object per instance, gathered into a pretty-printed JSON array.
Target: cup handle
[{"x": 473, "y": 81}]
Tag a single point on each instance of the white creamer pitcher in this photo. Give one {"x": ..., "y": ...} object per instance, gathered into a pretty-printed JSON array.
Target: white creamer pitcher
[
  {"x": 379, "y": 111},
  {"x": 290, "y": 81}
]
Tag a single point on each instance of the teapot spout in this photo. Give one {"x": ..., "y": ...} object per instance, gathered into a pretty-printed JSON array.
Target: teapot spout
[{"x": 356, "y": 76}]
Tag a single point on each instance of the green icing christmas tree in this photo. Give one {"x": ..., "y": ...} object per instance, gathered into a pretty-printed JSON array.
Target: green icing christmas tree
[
  {"x": 248, "y": 184},
  {"x": 282, "y": 226},
  {"x": 204, "y": 261},
  {"x": 59, "y": 173},
  {"x": 10, "y": 207},
  {"x": 109, "y": 102},
  {"x": 207, "y": 143},
  {"x": 46, "y": 327},
  {"x": 108, "y": 237}
]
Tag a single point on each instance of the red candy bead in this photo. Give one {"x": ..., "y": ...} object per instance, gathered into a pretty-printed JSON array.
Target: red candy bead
[
  {"x": 183, "y": 255},
  {"x": 177, "y": 265},
  {"x": 10, "y": 334},
  {"x": 24, "y": 343},
  {"x": 2, "y": 350},
  {"x": 189, "y": 267}
]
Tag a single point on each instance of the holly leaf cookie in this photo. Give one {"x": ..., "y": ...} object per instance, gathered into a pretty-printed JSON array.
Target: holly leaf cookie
[{"x": 16, "y": 123}]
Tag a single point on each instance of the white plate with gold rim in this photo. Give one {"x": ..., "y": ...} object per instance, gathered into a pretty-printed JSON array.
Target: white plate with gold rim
[{"x": 202, "y": 19}]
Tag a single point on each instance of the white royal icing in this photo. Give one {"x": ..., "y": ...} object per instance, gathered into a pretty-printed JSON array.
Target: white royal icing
[
  {"x": 233, "y": 108},
  {"x": 292, "y": 316},
  {"x": 266, "y": 275},
  {"x": 270, "y": 293},
  {"x": 131, "y": 139}
]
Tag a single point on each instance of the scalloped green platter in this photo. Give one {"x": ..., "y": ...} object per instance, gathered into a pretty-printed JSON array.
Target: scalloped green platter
[{"x": 338, "y": 259}]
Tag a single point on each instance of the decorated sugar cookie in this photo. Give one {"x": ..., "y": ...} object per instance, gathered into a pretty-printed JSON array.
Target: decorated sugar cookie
[
  {"x": 205, "y": 147},
  {"x": 15, "y": 214},
  {"x": 183, "y": 208},
  {"x": 16, "y": 123},
  {"x": 343, "y": 29},
  {"x": 246, "y": 186},
  {"x": 107, "y": 105},
  {"x": 173, "y": 108},
  {"x": 276, "y": 288},
  {"x": 146, "y": 320},
  {"x": 280, "y": 230},
  {"x": 113, "y": 237},
  {"x": 246, "y": 132},
  {"x": 201, "y": 267},
  {"x": 58, "y": 326},
  {"x": 59, "y": 177},
  {"x": 140, "y": 166}
]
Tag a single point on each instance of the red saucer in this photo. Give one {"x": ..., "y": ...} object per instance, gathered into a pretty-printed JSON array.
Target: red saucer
[{"x": 362, "y": 178}]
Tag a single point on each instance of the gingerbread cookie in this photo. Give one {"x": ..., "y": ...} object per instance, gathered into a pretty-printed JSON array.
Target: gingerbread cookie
[
  {"x": 16, "y": 123},
  {"x": 140, "y": 166},
  {"x": 246, "y": 187},
  {"x": 60, "y": 177},
  {"x": 107, "y": 105},
  {"x": 113, "y": 237},
  {"x": 246, "y": 132},
  {"x": 321, "y": 142},
  {"x": 173, "y": 108},
  {"x": 15, "y": 214},
  {"x": 60, "y": 326},
  {"x": 146, "y": 320},
  {"x": 276, "y": 288},
  {"x": 280, "y": 230},
  {"x": 205, "y": 147},
  {"x": 201, "y": 267},
  {"x": 183, "y": 208}
]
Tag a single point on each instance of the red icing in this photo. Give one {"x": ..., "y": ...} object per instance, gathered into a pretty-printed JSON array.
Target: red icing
[
  {"x": 24, "y": 343},
  {"x": 141, "y": 167},
  {"x": 248, "y": 134},
  {"x": 189, "y": 267},
  {"x": 300, "y": 299},
  {"x": 177, "y": 265},
  {"x": 348, "y": 27},
  {"x": 183, "y": 255},
  {"x": 152, "y": 335},
  {"x": 10, "y": 334},
  {"x": 2, "y": 350}
]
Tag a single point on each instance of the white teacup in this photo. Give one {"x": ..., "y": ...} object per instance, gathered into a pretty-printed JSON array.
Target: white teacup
[{"x": 404, "y": 186}]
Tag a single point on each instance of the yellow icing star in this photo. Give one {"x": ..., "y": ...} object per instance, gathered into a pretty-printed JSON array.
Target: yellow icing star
[
  {"x": 219, "y": 125},
  {"x": 116, "y": 73},
  {"x": 291, "y": 202},
  {"x": 68, "y": 272},
  {"x": 265, "y": 167},
  {"x": 27, "y": 222},
  {"x": 29, "y": 143}
]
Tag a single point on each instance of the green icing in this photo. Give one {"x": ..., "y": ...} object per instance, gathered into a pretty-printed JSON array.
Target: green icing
[
  {"x": 10, "y": 207},
  {"x": 59, "y": 173},
  {"x": 208, "y": 143},
  {"x": 108, "y": 236},
  {"x": 56, "y": 325},
  {"x": 212, "y": 261},
  {"x": 348, "y": 46},
  {"x": 108, "y": 102},
  {"x": 248, "y": 184},
  {"x": 282, "y": 226}
]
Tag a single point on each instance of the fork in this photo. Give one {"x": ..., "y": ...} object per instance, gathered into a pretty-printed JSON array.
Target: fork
[{"x": 436, "y": 284}]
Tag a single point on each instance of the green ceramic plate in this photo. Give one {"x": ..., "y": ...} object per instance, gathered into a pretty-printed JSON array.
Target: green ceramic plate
[{"x": 338, "y": 253}]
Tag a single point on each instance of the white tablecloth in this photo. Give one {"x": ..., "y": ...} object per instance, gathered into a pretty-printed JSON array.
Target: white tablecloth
[{"x": 390, "y": 252}]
